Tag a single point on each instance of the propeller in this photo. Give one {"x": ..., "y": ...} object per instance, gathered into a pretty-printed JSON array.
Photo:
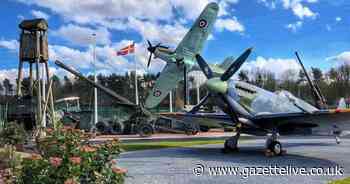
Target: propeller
[
  {"x": 204, "y": 67},
  {"x": 219, "y": 86},
  {"x": 152, "y": 49}
]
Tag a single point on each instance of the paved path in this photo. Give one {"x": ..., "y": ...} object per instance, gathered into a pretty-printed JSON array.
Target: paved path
[{"x": 176, "y": 165}]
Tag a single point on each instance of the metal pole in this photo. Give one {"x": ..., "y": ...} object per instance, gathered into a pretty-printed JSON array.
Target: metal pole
[
  {"x": 136, "y": 85},
  {"x": 171, "y": 101},
  {"x": 95, "y": 80}
]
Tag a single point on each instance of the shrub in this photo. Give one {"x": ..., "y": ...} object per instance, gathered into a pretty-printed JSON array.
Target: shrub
[
  {"x": 65, "y": 156},
  {"x": 12, "y": 134}
]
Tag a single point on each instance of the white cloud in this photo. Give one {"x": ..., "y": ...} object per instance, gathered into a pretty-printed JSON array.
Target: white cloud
[
  {"x": 267, "y": 3},
  {"x": 40, "y": 14},
  {"x": 338, "y": 19},
  {"x": 230, "y": 24},
  {"x": 343, "y": 57},
  {"x": 10, "y": 74},
  {"x": 92, "y": 12},
  {"x": 276, "y": 66},
  {"x": 224, "y": 7},
  {"x": 298, "y": 7},
  {"x": 83, "y": 35},
  {"x": 302, "y": 11},
  {"x": 169, "y": 34},
  {"x": 12, "y": 45},
  {"x": 295, "y": 26}
]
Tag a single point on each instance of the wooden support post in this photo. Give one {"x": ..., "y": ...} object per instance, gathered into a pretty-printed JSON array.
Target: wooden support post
[
  {"x": 19, "y": 80},
  {"x": 49, "y": 89},
  {"x": 31, "y": 79}
]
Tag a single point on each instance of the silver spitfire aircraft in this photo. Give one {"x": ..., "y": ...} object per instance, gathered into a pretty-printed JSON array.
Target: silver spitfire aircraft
[{"x": 253, "y": 110}]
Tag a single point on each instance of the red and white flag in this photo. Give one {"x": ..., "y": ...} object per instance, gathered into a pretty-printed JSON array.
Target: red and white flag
[{"x": 126, "y": 50}]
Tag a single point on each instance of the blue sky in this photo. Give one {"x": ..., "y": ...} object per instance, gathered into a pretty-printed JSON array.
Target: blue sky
[{"x": 319, "y": 29}]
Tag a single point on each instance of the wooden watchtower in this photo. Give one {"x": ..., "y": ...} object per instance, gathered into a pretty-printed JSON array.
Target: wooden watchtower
[{"x": 34, "y": 51}]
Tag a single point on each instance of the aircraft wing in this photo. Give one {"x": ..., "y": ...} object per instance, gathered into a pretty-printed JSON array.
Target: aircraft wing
[
  {"x": 167, "y": 80},
  {"x": 323, "y": 120},
  {"x": 287, "y": 123},
  {"x": 212, "y": 120},
  {"x": 195, "y": 38}
]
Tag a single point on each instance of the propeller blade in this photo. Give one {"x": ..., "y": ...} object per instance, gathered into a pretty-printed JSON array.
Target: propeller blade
[
  {"x": 198, "y": 106},
  {"x": 231, "y": 112},
  {"x": 149, "y": 43},
  {"x": 149, "y": 59},
  {"x": 236, "y": 65},
  {"x": 204, "y": 66}
]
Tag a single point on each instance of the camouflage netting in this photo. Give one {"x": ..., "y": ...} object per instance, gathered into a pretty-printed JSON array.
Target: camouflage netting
[{"x": 34, "y": 25}]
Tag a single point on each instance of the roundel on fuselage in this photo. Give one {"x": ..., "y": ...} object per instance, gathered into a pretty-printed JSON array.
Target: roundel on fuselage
[
  {"x": 203, "y": 23},
  {"x": 157, "y": 93}
]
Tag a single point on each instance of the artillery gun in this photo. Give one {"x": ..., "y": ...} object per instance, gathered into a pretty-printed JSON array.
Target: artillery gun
[{"x": 140, "y": 121}]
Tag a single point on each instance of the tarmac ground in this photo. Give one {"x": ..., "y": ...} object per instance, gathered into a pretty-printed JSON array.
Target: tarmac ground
[{"x": 321, "y": 158}]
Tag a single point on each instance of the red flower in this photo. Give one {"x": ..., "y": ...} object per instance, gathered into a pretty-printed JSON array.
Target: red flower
[
  {"x": 75, "y": 160},
  {"x": 70, "y": 181},
  {"x": 119, "y": 170},
  {"x": 87, "y": 149},
  {"x": 55, "y": 161},
  {"x": 114, "y": 161}
]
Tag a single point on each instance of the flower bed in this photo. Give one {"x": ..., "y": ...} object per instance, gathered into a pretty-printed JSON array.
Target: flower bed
[{"x": 65, "y": 156}]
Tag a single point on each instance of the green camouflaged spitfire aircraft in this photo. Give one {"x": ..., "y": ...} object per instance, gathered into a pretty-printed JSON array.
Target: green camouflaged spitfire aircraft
[{"x": 183, "y": 57}]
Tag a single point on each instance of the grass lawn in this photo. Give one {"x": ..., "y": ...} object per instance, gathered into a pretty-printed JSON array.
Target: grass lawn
[
  {"x": 342, "y": 181},
  {"x": 167, "y": 144}
]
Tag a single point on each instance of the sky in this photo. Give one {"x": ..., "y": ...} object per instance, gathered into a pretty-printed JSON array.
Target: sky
[{"x": 318, "y": 29}]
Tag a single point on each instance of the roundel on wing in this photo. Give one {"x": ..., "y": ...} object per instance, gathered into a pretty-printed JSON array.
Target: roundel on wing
[
  {"x": 157, "y": 93},
  {"x": 202, "y": 23}
]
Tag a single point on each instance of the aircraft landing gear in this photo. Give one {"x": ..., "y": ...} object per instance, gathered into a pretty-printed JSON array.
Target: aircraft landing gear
[
  {"x": 337, "y": 139},
  {"x": 336, "y": 133},
  {"x": 273, "y": 146},
  {"x": 232, "y": 142}
]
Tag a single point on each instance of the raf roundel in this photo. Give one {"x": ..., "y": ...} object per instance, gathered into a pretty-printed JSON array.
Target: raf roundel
[
  {"x": 157, "y": 93},
  {"x": 202, "y": 23}
]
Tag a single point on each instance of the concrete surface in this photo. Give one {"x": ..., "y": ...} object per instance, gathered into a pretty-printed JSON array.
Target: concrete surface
[{"x": 176, "y": 165}]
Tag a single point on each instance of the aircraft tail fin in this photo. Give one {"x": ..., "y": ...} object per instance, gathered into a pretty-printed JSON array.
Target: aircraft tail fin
[{"x": 227, "y": 63}]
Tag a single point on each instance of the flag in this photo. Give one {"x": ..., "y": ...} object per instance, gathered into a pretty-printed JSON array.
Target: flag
[{"x": 126, "y": 50}]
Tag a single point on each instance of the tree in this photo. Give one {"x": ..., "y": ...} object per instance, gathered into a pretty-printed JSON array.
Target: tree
[
  {"x": 7, "y": 85},
  {"x": 1, "y": 89},
  {"x": 243, "y": 76},
  {"x": 317, "y": 74}
]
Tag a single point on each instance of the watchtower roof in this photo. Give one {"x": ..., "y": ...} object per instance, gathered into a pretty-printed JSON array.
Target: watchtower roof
[{"x": 34, "y": 25}]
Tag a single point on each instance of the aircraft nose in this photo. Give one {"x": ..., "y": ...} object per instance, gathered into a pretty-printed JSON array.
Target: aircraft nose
[{"x": 215, "y": 85}]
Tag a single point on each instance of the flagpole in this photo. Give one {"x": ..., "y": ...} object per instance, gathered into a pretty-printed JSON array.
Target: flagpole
[
  {"x": 136, "y": 85},
  {"x": 95, "y": 80}
]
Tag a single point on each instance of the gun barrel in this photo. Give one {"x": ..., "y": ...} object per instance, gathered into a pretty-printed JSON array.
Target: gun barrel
[{"x": 123, "y": 101}]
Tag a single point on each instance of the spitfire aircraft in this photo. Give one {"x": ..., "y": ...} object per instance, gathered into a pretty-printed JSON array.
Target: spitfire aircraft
[
  {"x": 253, "y": 110},
  {"x": 182, "y": 58}
]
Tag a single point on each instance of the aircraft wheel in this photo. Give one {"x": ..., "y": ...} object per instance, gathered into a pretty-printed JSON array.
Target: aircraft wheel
[
  {"x": 230, "y": 146},
  {"x": 145, "y": 130},
  {"x": 275, "y": 147}
]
